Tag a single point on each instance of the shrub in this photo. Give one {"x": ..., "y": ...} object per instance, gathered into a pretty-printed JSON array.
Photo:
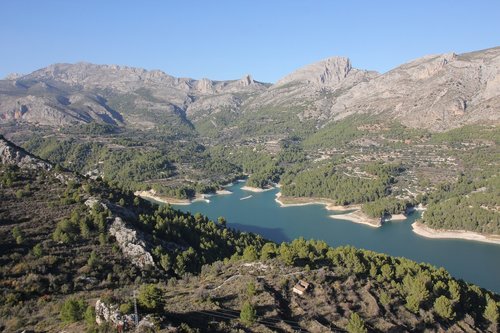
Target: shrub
[
  {"x": 19, "y": 240},
  {"x": 16, "y": 232},
  {"x": 92, "y": 262},
  {"x": 126, "y": 308},
  {"x": 444, "y": 308},
  {"x": 89, "y": 315},
  {"x": 268, "y": 251},
  {"x": 251, "y": 290},
  {"x": 18, "y": 236},
  {"x": 37, "y": 250},
  {"x": 250, "y": 253},
  {"x": 491, "y": 311},
  {"x": 385, "y": 299},
  {"x": 356, "y": 324},
  {"x": 247, "y": 314},
  {"x": 150, "y": 297},
  {"x": 72, "y": 310},
  {"x": 66, "y": 231}
]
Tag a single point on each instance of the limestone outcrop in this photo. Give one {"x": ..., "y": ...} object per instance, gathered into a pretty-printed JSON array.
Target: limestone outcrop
[
  {"x": 13, "y": 155},
  {"x": 131, "y": 242}
]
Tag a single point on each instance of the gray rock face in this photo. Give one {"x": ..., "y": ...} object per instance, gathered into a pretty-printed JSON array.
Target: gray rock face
[
  {"x": 435, "y": 92},
  {"x": 106, "y": 313},
  {"x": 328, "y": 72},
  {"x": 13, "y": 155},
  {"x": 64, "y": 94},
  {"x": 311, "y": 89},
  {"x": 131, "y": 243},
  {"x": 13, "y": 76}
]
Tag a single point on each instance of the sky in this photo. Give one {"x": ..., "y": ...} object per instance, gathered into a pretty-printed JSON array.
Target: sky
[{"x": 228, "y": 39}]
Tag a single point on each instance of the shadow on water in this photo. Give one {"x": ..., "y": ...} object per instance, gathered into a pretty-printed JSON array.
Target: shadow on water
[{"x": 275, "y": 234}]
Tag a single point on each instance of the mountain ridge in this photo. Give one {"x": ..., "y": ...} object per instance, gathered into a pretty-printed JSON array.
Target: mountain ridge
[{"x": 435, "y": 92}]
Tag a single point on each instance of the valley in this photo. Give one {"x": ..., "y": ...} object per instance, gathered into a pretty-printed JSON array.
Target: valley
[
  {"x": 96, "y": 138},
  {"x": 74, "y": 260}
]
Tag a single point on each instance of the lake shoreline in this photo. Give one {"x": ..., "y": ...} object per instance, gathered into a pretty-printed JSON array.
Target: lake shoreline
[
  {"x": 223, "y": 192},
  {"x": 304, "y": 201},
  {"x": 263, "y": 215},
  {"x": 358, "y": 217},
  {"x": 422, "y": 230},
  {"x": 256, "y": 189},
  {"x": 151, "y": 195}
]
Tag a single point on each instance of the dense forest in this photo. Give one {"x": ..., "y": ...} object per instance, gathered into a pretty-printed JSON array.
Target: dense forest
[
  {"x": 385, "y": 207},
  {"x": 333, "y": 183}
]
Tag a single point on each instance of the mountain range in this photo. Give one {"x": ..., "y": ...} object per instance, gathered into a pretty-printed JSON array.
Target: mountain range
[{"x": 437, "y": 92}]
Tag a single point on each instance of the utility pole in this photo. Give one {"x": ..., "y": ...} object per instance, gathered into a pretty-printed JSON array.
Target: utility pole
[{"x": 136, "y": 315}]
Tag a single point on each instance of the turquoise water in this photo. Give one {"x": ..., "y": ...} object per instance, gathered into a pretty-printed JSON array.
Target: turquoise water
[{"x": 474, "y": 262}]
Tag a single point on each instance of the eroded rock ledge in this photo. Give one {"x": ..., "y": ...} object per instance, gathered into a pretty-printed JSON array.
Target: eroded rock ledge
[{"x": 131, "y": 243}]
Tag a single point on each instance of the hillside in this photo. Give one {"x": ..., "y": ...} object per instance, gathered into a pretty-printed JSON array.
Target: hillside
[{"x": 69, "y": 240}]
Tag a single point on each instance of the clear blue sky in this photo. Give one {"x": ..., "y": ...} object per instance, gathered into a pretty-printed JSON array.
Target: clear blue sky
[{"x": 227, "y": 39}]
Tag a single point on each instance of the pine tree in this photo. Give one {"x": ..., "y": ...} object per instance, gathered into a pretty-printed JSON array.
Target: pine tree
[
  {"x": 251, "y": 290},
  {"x": 250, "y": 253},
  {"x": 491, "y": 311},
  {"x": 356, "y": 324},
  {"x": 247, "y": 314},
  {"x": 150, "y": 297},
  {"x": 72, "y": 310},
  {"x": 268, "y": 251},
  {"x": 444, "y": 308}
]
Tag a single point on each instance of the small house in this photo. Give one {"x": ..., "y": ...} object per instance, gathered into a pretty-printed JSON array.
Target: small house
[{"x": 301, "y": 287}]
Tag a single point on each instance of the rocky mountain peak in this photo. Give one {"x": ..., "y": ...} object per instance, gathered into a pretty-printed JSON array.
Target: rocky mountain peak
[
  {"x": 246, "y": 80},
  {"x": 205, "y": 86},
  {"x": 427, "y": 66},
  {"x": 437, "y": 91},
  {"x": 327, "y": 72},
  {"x": 13, "y": 76},
  {"x": 91, "y": 75}
]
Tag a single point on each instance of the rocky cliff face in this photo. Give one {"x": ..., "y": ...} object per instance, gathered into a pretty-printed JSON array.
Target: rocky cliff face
[
  {"x": 311, "y": 89},
  {"x": 223, "y": 96},
  {"x": 328, "y": 72},
  {"x": 434, "y": 92},
  {"x": 13, "y": 155}
]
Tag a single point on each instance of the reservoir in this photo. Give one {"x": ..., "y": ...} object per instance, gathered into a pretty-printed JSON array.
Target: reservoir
[{"x": 471, "y": 261}]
